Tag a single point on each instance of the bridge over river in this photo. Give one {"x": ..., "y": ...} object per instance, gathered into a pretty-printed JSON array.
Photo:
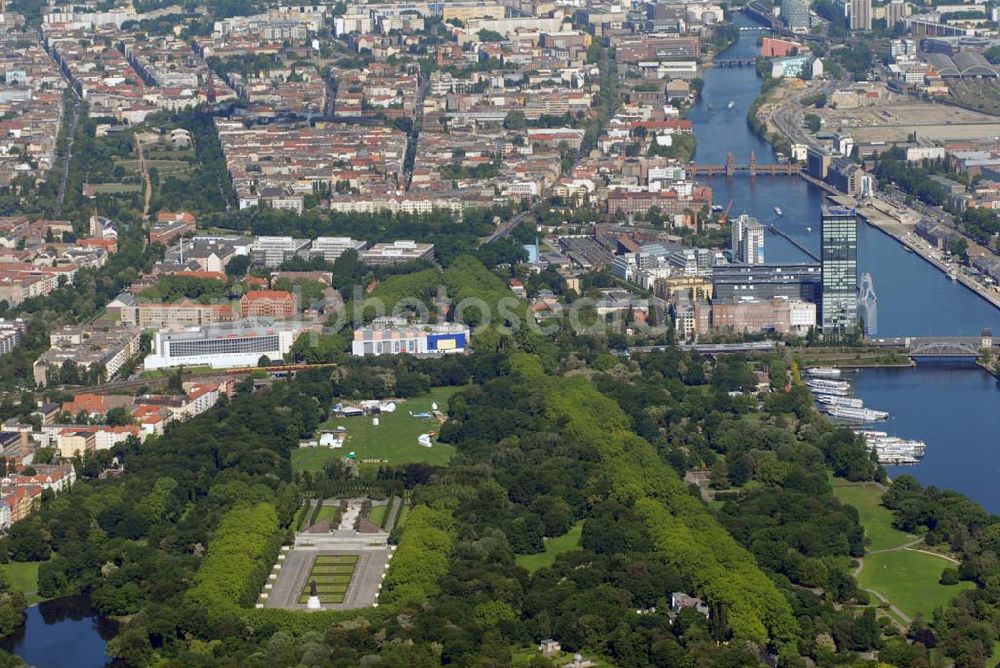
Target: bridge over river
[
  {"x": 750, "y": 169},
  {"x": 940, "y": 346}
]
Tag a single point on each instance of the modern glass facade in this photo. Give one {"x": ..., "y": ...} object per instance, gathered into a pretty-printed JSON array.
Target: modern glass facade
[
  {"x": 840, "y": 270},
  {"x": 795, "y": 14}
]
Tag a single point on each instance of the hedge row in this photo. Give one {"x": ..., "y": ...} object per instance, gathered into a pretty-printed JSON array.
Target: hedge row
[
  {"x": 239, "y": 558},
  {"x": 681, "y": 528},
  {"x": 421, "y": 558}
]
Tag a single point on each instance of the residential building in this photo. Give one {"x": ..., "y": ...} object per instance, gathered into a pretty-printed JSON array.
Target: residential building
[
  {"x": 393, "y": 336},
  {"x": 96, "y": 405},
  {"x": 679, "y": 601},
  {"x": 747, "y": 240},
  {"x": 91, "y": 350},
  {"x": 839, "y": 254},
  {"x": 11, "y": 333},
  {"x": 169, "y": 226},
  {"x": 183, "y": 313},
  {"x": 76, "y": 441},
  {"x": 861, "y": 14},
  {"x": 895, "y": 12},
  {"x": 270, "y": 304},
  {"x": 848, "y": 177}
]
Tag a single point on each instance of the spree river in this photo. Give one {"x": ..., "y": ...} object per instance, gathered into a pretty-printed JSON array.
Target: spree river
[{"x": 953, "y": 406}]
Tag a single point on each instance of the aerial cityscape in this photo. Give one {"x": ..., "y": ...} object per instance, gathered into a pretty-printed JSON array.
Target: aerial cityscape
[{"x": 500, "y": 333}]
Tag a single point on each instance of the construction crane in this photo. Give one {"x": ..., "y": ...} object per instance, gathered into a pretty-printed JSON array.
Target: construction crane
[{"x": 724, "y": 218}]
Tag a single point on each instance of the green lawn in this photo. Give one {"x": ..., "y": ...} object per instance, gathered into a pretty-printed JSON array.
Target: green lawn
[
  {"x": 377, "y": 515},
  {"x": 332, "y": 574},
  {"x": 326, "y": 513},
  {"x": 164, "y": 166},
  {"x": 23, "y": 577},
  {"x": 567, "y": 542},
  {"x": 521, "y": 657},
  {"x": 875, "y": 518},
  {"x": 333, "y": 569},
  {"x": 336, "y": 559},
  {"x": 115, "y": 188},
  {"x": 910, "y": 580},
  {"x": 313, "y": 459},
  {"x": 394, "y": 439},
  {"x": 327, "y": 598}
]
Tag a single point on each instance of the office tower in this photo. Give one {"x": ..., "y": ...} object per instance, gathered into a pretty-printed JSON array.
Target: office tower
[
  {"x": 861, "y": 14},
  {"x": 747, "y": 240},
  {"x": 795, "y": 14},
  {"x": 839, "y": 313}
]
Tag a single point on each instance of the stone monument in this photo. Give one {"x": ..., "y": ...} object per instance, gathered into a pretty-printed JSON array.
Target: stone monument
[{"x": 313, "y": 603}]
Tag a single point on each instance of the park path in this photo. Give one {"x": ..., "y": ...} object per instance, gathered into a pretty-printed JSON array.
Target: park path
[
  {"x": 935, "y": 554},
  {"x": 395, "y": 504},
  {"x": 902, "y": 620},
  {"x": 148, "y": 191},
  {"x": 68, "y": 157},
  {"x": 879, "y": 595}
]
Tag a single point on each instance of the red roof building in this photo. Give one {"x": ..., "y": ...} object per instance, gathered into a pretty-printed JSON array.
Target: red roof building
[{"x": 277, "y": 304}]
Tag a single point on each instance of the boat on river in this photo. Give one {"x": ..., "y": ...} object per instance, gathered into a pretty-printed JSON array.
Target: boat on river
[
  {"x": 856, "y": 414},
  {"x": 824, "y": 384},
  {"x": 824, "y": 371},
  {"x": 829, "y": 391},
  {"x": 892, "y": 449},
  {"x": 777, "y": 210},
  {"x": 833, "y": 400},
  {"x": 732, "y": 103}
]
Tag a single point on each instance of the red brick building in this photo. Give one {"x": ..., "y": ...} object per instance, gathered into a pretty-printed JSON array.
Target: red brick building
[{"x": 778, "y": 48}]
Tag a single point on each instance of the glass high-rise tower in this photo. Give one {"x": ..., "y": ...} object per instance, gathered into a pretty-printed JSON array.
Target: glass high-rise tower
[{"x": 839, "y": 313}]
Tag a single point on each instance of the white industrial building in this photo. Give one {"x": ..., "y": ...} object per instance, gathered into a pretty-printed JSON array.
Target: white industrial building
[
  {"x": 393, "y": 336},
  {"x": 219, "y": 346},
  {"x": 330, "y": 248}
]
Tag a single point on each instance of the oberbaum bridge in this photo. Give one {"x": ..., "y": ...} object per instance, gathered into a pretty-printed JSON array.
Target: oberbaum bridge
[{"x": 752, "y": 168}]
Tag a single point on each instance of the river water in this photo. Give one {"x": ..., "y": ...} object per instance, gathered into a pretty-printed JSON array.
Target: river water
[{"x": 953, "y": 406}]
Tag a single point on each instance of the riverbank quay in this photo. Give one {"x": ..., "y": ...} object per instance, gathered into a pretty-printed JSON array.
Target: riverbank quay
[
  {"x": 877, "y": 214},
  {"x": 993, "y": 370}
]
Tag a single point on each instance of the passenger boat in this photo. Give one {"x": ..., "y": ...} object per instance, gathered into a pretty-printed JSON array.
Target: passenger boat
[
  {"x": 833, "y": 400},
  {"x": 858, "y": 414}
]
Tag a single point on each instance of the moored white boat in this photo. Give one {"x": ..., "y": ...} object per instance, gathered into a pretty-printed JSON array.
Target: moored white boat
[
  {"x": 833, "y": 400},
  {"x": 857, "y": 414}
]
